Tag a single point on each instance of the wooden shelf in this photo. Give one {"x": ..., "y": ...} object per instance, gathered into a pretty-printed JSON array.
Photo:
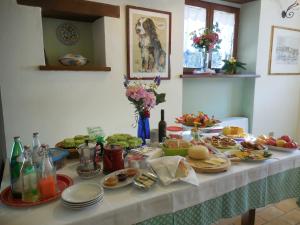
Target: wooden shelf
[
  {"x": 79, "y": 10},
  {"x": 217, "y": 75},
  {"x": 74, "y": 68}
]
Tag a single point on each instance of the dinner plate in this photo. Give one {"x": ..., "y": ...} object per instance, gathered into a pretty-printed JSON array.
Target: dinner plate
[
  {"x": 82, "y": 203},
  {"x": 82, "y": 192},
  {"x": 282, "y": 148},
  {"x": 83, "y": 207},
  {"x": 232, "y": 152},
  {"x": 120, "y": 184}
]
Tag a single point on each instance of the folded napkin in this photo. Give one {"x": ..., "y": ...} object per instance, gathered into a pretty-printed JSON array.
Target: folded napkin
[{"x": 169, "y": 170}]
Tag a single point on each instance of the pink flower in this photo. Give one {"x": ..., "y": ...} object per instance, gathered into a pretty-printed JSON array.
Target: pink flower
[{"x": 149, "y": 100}]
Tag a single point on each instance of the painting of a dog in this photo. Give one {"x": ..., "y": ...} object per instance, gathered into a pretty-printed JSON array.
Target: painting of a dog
[
  {"x": 152, "y": 54},
  {"x": 148, "y": 42}
]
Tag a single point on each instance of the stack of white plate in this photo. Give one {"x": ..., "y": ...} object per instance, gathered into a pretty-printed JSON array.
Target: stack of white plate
[{"x": 82, "y": 195}]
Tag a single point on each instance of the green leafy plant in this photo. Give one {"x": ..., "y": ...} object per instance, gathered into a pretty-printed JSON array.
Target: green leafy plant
[{"x": 232, "y": 65}]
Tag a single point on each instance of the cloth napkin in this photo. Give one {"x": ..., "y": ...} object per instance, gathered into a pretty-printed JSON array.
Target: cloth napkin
[{"x": 166, "y": 167}]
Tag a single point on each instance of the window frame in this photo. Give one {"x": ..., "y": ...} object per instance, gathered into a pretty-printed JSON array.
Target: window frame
[{"x": 210, "y": 7}]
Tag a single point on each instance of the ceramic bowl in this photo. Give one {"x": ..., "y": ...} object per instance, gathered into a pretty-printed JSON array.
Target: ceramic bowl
[{"x": 73, "y": 60}]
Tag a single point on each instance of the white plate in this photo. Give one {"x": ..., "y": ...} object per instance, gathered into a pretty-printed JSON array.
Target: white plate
[
  {"x": 83, "y": 207},
  {"x": 282, "y": 148},
  {"x": 120, "y": 184},
  {"x": 82, "y": 192},
  {"x": 83, "y": 203}
]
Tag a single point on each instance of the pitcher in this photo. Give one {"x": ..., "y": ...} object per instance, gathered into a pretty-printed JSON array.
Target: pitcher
[{"x": 113, "y": 158}]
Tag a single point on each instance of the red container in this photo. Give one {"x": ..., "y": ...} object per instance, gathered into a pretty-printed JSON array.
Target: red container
[{"x": 113, "y": 159}]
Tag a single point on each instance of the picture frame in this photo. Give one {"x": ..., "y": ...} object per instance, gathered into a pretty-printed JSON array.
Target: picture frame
[
  {"x": 284, "y": 57},
  {"x": 148, "y": 33}
]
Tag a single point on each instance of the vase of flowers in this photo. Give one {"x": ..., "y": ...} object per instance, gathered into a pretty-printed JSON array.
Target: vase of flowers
[
  {"x": 206, "y": 40},
  {"x": 232, "y": 65},
  {"x": 144, "y": 97}
]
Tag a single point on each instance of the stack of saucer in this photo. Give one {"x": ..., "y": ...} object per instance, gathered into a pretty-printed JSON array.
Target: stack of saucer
[{"x": 82, "y": 195}]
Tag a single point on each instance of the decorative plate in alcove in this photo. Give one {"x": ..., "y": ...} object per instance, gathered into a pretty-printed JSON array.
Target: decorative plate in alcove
[{"x": 67, "y": 33}]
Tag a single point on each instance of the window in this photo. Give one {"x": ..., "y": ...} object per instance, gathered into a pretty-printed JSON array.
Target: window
[{"x": 198, "y": 15}]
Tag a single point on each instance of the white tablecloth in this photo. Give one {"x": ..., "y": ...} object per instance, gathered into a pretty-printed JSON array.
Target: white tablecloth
[{"x": 129, "y": 205}]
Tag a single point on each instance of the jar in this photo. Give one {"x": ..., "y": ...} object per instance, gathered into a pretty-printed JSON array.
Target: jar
[{"x": 174, "y": 132}]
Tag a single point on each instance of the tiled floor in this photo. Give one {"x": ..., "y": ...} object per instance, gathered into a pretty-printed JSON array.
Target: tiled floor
[{"x": 283, "y": 213}]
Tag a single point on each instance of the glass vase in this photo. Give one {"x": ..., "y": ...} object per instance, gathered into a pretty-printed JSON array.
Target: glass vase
[
  {"x": 204, "y": 61},
  {"x": 143, "y": 131}
]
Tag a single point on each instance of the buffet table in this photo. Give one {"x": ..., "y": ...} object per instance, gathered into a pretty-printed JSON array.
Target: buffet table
[{"x": 244, "y": 186}]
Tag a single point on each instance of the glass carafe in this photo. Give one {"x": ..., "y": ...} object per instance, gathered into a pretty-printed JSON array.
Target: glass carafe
[
  {"x": 47, "y": 175},
  {"x": 30, "y": 191}
]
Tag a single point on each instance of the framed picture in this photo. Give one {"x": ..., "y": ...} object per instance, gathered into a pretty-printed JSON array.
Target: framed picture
[
  {"x": 284, "y": 56},
  {"x": 148, "y": 43}
]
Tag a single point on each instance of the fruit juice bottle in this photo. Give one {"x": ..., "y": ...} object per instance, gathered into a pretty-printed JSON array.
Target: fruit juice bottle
[
  {"x": 47, "y": 176},
  {"x": 16, "y": 161},
  {"x": 28, "y": 173}
]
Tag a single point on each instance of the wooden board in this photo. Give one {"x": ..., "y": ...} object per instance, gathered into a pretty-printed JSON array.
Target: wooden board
[{"x": 201, "y": 167}]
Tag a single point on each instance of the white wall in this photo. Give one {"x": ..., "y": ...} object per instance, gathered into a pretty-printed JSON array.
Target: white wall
[
  {"x": 277, "y": 98},
  {"x": 62, "y": 104}
]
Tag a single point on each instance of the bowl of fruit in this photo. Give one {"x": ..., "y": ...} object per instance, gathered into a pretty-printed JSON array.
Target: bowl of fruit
[
  {"x": 283, "y": 143},
  {"x": 201, "y": 120}
]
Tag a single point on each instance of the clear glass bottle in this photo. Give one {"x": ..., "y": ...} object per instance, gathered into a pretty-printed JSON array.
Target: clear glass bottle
[
  {"x": 47, "y": 175},
  {"x": 36, "y": 150},
  {"x": 16, "y": 161},
  {"x": 30, "y": 191}
]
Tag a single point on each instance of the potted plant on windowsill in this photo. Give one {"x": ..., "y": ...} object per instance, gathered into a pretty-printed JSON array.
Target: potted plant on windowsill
[{"x": 232, "y": 65}]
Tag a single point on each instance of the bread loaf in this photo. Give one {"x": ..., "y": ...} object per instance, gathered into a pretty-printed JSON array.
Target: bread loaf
[{"x": 198, "y": 152}]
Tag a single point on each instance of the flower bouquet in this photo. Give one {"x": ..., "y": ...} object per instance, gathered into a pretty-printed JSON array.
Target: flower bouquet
[
  {"x": 231, "y": 65},
  {"x": 206, "y": 40},
  {"x": 144, "y": 97}
]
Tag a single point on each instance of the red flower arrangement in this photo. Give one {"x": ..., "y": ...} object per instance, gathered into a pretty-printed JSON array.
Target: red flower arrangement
[{"x": 207, "y": 39}]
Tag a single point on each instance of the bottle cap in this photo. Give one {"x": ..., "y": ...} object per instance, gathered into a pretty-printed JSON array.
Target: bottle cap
[
  {"x": 26, "y": 147},
  {"x": 16, "y": 137},
  {"x": 35, "y": 134}
]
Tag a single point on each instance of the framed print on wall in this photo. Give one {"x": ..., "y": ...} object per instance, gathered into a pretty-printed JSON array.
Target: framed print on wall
[
  {"x": 148, "y": 43},
  {"x": 284, "y": 56}
]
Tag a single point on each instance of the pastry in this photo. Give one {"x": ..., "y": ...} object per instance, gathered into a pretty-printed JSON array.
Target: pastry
[
  {"x": 122, "y": 177},
  {"x": 131, "y": 172},
  {"x": 111, "y": 181}
]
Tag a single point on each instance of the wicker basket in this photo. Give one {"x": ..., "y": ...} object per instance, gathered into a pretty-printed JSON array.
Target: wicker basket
[{"x": 73, "y": 153}]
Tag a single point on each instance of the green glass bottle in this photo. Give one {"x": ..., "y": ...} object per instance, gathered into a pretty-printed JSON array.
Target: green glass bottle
[
  {"x": 28, "y": 173},
  {"x": 16, "y": 161}
]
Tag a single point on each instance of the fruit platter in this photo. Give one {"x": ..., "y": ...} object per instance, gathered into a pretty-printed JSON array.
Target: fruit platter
[
  {"x": 201, "y": 120},
  {"x": 283, "y": 143}
]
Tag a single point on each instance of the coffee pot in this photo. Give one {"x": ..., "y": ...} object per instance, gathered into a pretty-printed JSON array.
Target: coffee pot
[{"x": 88, "y": 155}]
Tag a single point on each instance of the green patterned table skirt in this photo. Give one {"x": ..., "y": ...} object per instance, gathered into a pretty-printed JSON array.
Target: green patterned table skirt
[{"x": 255, "y": 195}]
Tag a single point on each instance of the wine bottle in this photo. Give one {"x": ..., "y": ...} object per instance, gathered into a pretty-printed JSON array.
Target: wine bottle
[{"x": 162, "y": 126}]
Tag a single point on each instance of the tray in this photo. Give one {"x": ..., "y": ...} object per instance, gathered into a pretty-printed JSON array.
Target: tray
[
  {"x": 63, "y": 182},
  {"x": 271, "y": 147},
  {"x": 201, "y": 167}
]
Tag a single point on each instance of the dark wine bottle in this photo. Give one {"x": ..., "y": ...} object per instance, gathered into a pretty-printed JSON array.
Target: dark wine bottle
[{"x": 162, "y": 125}]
